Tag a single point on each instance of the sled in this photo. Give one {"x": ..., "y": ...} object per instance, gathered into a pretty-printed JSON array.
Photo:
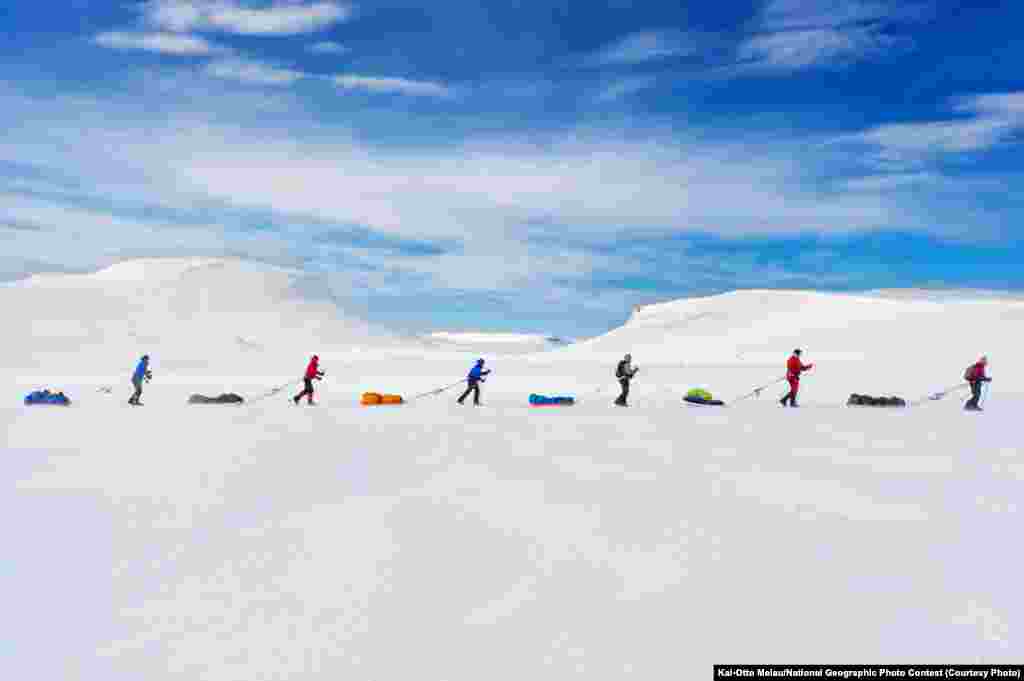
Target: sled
[
  {"x": 545, "y": 401},
  {"x": 702, "y": 398},
  {"x": 378, "y": 399},
  {"x": 702, "y": 402},
  {"x": 45, "y": 397},
  {"x": 858, "y": 400},
  {"x": 226, "y": 398}
]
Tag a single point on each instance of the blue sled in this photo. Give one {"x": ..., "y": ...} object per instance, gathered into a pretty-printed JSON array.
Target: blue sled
[
  {"x": 47, "y": 397},
  {"x": 544, "y": 401}
]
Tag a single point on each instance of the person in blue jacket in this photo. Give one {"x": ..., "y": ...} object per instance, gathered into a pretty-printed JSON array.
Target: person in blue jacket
[
  {"x": 473, "y": 381},
  {"x": 142, "y": 373}
]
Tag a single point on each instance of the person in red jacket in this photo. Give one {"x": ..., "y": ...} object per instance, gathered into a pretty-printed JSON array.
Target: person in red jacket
[
  {"x": 312, "y": 372},
  {"x": 975, "y": 375},
  {"x": 794, "y": 367}
]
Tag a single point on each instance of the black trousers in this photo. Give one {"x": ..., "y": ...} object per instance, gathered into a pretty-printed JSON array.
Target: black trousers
[
  {"x": 975, "y": 394},
  {"x": 307, "y": 390},
  {"x": 474, "y": 388},
  {"x": 624, "y": 382},
  {"x": 138, "y": 391}
]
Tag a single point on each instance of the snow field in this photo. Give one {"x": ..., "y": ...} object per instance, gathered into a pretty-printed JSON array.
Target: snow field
[{"x": 434, "y": 541}]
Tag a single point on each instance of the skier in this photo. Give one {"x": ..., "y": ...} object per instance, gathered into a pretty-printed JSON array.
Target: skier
[
  {"x": 975, "y": 375},
  {"x": 625, "y": 373},
  {"x": 312, "y": 373},
  {"x": 794, "y": 367},
  {"x": 142, "y": 373},
  {"x": 473, "y": 381}
]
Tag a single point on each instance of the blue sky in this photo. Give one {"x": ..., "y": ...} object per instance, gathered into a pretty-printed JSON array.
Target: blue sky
[{"x": 535, "y": 166}]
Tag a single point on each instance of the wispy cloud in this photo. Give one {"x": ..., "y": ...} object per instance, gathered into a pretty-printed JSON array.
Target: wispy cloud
[
  {"x": 793, "y": 50},
  {"x": 72, "y": 237},
  {"x": 624, "y": 87},
  {"x": 377, "y": 84},
  {"x": 489, "y": 219},
  {"x": 893, "y": 182},
  {"x": 790, "y": 35},
  {"x": 327, "y": 47},
  {"x": 788, "y": 15},
  {"x": 981, "y": 123},
  {"x": 254, "y": 72},
  {"x": 637, "y": 48},
  {"x": 232, "y": 16},
  {"x": 165, "y": 43},
  {"x": 19, "y": 226},
  {"x": 479, "y": 191}
]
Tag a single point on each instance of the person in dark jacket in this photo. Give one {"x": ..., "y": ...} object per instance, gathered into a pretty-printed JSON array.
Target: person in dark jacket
[
  {"x": 473, "y": 381},
  {"x": 794, "y": 367},
  {"x": 976, "y": 377},
  {"x": 625, "y": 373},
  {"x": 312, "y": 373},
  {"x": 142, "y": 373}
]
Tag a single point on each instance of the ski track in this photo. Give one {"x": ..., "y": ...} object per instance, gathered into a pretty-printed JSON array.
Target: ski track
[{"x": 268, "y": 541}]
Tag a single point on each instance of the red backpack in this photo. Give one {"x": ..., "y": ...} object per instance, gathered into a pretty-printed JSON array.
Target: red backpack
[{"x": 971, "y": 373}]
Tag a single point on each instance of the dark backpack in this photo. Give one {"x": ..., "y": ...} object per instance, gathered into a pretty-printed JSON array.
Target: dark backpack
[
  {"x": 971, "y": 373},
  {"x": 620, "y": 370}
]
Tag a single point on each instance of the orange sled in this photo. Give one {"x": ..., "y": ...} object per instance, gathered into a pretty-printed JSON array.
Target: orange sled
[{"x": 374, "y": 399}]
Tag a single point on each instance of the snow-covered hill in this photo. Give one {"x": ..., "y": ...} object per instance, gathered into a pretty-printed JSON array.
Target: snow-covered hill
[
  {"x": 904, "y": 345},
  {"x": 435, "y": 541},
  {"x": 195, "y": 316}
]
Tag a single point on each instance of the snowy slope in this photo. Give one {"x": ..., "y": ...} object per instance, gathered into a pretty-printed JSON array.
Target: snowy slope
[
  {"x": 199, "y": 318},
  {"x": 860, "y": 343},
  {"x": 431, "y": 541}
]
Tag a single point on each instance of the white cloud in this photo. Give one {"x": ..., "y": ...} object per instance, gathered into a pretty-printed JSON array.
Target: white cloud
[
  {"x": 246, "y": 71},
  {"x": 638, "y": 48},
  {"x": 624, "y": 87},
  {"x": 894, "y": 182},
  {"x": 902, "y": 139},
  {"x": 80, "y": 238},
  {"x": 515, "y": 208},
  {"x": 165, "y": 43},
  {"x": 328, "y": 47},
  {"x": 784, "y": 15},
  {"x": 982, "y": 122},
  {"x": 790, "y": 35},
  {"x": 793, "y": 50},
  {"x": 585, "y": 183},
  {"x": 402, "y": 86},
  {"x": 1008, "y": 104},
  {"x": 232, "y": 16}
]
